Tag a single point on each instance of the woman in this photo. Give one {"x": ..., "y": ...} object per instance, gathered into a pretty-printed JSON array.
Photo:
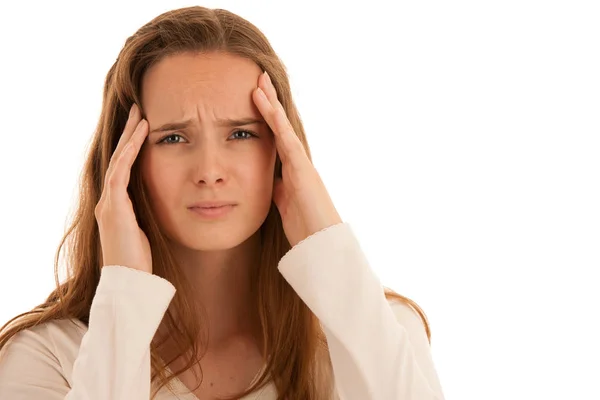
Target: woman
[{"x": 206, "y": 255}]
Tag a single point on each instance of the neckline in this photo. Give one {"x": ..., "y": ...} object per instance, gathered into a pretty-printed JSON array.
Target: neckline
[{"x": 182, "y": 389}]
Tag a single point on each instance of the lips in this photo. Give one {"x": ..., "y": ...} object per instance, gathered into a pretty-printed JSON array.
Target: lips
[
  {"x": 212, "y": 204},
  {"x": 213, "y": 210}
]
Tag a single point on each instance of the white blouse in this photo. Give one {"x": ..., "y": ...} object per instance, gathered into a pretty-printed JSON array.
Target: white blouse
[{"x": 378, "y": 349}]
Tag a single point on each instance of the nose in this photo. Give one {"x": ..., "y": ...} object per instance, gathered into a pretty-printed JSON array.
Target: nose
[{"x": 210, "y": 169}]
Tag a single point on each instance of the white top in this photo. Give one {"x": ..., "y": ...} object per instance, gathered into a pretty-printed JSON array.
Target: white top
[{"x": 378, "y": 350}]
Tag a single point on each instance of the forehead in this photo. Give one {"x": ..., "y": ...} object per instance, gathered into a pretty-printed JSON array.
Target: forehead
[{"x": 220, "y": 84}]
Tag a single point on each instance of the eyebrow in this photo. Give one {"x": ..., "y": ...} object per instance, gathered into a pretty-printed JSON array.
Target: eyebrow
[{"x": 226, "y": 122}]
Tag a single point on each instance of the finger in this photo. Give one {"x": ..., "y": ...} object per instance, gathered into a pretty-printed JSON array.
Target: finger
[
  {"x": 267, "y": 111},
  {"x": 292, "y": 142},
  {"x": 123, "y": 141},
  {"x": 288, "y": 144},
  {"x": 264, "y": 82},
  {"x": 121, "y": 171},
  {"x": 133, "y": 120}
]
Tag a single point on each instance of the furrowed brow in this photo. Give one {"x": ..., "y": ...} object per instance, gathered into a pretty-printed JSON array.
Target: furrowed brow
[{"x": 226, "y": 122}]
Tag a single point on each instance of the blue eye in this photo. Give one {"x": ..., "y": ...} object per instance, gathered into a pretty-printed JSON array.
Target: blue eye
[
  {"x": 241, "y": 135},
  {"x": 249, "y": 135},
  {"x": 164, "y": 140}
]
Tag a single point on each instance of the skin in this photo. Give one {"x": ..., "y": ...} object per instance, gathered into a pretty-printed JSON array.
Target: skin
[{"x": 207, "y": 161}]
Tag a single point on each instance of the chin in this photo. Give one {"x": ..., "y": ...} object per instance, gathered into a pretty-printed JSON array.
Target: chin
[
  {"x": 221, "y": 242},
  {"x": 214, "y": 238},
  {"x": 216, "y": 235}
]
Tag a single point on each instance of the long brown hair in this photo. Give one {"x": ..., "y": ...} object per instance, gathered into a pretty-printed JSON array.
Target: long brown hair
[{"x": 293, "y": 339}]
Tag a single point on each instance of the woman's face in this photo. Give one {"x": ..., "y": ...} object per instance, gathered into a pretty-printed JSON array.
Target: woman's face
[{"x": 206, "y": 158}]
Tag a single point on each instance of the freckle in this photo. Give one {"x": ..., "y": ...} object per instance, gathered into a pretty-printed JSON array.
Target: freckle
[{"x": 211, "y": 384}]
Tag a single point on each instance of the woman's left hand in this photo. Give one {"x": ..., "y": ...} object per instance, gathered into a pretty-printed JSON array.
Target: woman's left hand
[{"x": 300, "y": 195}]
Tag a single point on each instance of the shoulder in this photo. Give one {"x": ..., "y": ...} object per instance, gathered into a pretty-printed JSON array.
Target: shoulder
[
  {"x": 52, "y": 345},
  {"x": 53, "y": 335},
  {"x": 412, "y": 321},
  {"x": 405, "y": 313}
]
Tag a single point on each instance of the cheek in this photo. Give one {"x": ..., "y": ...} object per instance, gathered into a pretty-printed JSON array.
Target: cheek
[
  {"x": 160, "y": 179},
  {"x": 256, "y": 173}
]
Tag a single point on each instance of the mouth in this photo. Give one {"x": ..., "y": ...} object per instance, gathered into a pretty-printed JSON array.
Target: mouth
[
  {"x": 212, "y": 204},
  {"x": 212, "y": 211}
]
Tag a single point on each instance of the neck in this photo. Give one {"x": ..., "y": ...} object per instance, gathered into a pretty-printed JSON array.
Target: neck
[{"x": 222, "y": 283}]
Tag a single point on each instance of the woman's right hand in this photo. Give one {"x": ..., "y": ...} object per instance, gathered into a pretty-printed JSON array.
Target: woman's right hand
[{"x": 123, "y": 242}]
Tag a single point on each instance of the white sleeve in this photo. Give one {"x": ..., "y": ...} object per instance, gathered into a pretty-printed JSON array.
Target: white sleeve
[
  {"x": 113, "y": 361},
  {"x": 378, "y": 351}
]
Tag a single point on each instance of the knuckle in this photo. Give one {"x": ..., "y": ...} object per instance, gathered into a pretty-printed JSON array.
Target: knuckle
[{"x": 112, "y": 182}]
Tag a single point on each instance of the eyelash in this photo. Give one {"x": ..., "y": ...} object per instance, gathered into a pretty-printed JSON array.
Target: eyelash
[{"x": 250, "y": 133}]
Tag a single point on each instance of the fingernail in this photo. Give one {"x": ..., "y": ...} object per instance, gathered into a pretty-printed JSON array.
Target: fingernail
[
  {"x": 132, "y": 110},
  {"x": 261, "y": 93},
  {"x": 268, "y": 77}
]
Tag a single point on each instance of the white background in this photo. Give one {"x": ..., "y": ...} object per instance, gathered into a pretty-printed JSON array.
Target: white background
[{"x": 460, "y": 139}]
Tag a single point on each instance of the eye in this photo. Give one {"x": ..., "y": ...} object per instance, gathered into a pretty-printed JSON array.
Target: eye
[
  {"x": 165, "y": 141},
  {"x": 244, "y": 134}
]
